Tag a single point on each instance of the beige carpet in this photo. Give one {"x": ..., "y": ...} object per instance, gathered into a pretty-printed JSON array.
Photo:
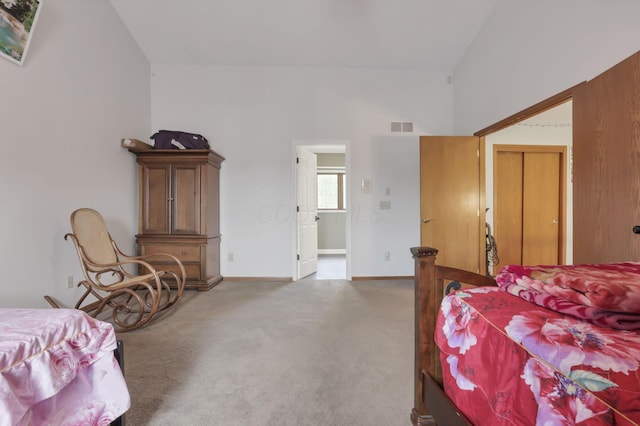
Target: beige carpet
[{"x": 263, "y": 353}]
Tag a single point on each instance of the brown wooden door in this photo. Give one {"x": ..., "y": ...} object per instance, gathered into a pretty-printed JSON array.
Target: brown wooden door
[
  {"x": 451, "y": 201},
  {"x": 507, "y": 204},
  {"x": 155, "y": 198},
  {"x": 606, "y": 116},
  {"x": 529, "y": 204},
  {"x": 185, "y": 198},
  {"x": 542, "y": 218}
]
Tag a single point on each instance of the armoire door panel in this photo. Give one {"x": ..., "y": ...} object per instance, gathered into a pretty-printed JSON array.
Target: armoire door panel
[
  {"x": 186, "y": 199},
  {"x": 155, "y": 209}
]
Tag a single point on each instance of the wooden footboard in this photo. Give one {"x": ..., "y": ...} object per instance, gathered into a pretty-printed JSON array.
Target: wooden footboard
[{"x": 430, "y": 403}]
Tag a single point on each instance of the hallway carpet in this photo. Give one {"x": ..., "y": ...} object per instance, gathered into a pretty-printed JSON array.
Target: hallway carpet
[{"x": 310, "y": 352}]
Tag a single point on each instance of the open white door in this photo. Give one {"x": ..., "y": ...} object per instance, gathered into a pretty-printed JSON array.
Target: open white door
[{"x": 307, "y": 211}]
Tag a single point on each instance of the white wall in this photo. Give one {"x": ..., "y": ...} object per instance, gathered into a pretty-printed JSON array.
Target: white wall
[
  {"x": 84, "y": 85},
  {"x": 251, "y": 115},
  {"x": 531, "y": 50},
  {"x": 395, "y": 168}
]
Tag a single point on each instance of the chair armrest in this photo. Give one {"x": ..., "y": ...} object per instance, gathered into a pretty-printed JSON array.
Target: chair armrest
[{"x": 181, "y": 277}]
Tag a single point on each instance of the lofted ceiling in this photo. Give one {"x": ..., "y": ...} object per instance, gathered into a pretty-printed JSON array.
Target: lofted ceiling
[{"x": 407, "y": 34}]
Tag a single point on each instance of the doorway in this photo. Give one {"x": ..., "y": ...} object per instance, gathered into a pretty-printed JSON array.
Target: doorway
[
  {"x": 331, "y": 237},
  {"x": 450, "y": 200},
  {"x": 529, "y": 203},
  {"x": 549, "y": 131}
]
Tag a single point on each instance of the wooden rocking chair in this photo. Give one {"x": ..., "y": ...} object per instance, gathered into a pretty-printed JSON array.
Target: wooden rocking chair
[{"x": 128, "y": 285}]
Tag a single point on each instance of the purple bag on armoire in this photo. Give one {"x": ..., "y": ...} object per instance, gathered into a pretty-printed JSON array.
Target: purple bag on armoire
[{"x": 170, "y": 139}]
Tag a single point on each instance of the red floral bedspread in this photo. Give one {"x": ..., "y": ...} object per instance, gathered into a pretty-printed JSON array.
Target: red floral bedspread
[
  {"x": 507, "y": 361},
  {"x": 605, "y": 294}
]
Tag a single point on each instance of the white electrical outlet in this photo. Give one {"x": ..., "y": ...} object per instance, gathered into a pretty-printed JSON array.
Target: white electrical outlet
[
  {"x": 230, "y": 257},
  {"x": 387, "y": 255},
  {"x": 70, "y": 281}
]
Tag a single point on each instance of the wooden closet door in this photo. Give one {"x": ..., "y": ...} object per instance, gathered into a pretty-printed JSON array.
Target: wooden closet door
[
  {"x": 508, "y": 195},
  {"x": 606, "y": 200},
  {"x": 541, "y": 235},
  {"x": 529, "y": 202}
]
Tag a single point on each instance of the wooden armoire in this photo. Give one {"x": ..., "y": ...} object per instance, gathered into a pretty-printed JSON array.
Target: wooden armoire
[{"x": 178, "y": 210}]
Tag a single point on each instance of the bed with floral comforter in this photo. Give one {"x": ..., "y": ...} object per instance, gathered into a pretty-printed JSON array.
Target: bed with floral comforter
[
  {"x": 570, "y": 357},
  {"x": 57, "y": 367}
]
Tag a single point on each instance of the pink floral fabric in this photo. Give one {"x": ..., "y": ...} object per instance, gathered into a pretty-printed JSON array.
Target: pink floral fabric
[
  {"x": 57, "y": 368},
  {"x": 605, "y": 294},
  {"x": 506, "y": 361}
]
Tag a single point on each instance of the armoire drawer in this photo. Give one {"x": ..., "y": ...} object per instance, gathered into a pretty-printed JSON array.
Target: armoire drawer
[
  {"x": 192, "y": 270},
  {"x": 184, "y": 253}
]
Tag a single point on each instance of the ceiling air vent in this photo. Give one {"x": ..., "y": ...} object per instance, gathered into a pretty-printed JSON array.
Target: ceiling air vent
[{"x": 396, "y": 126}]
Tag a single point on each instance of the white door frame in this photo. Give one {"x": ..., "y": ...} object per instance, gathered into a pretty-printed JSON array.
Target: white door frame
[{"x": 321, "y": 146}]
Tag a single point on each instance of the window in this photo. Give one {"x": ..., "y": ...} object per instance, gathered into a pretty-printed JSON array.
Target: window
[{"x": 331, "y": 191}]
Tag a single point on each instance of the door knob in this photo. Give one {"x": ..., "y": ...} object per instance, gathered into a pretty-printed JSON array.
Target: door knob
[
  {"x": 317, "y": 218},
  {"x": 426, "y": 220},
  {"x": 636, "y": 229}
]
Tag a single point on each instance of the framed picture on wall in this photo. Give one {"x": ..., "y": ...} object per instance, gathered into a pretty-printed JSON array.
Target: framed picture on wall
[{"x": 17, "y": 21}]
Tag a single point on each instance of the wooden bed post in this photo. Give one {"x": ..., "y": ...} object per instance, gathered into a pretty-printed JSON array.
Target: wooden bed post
[{"x": 428, "y": 296}]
